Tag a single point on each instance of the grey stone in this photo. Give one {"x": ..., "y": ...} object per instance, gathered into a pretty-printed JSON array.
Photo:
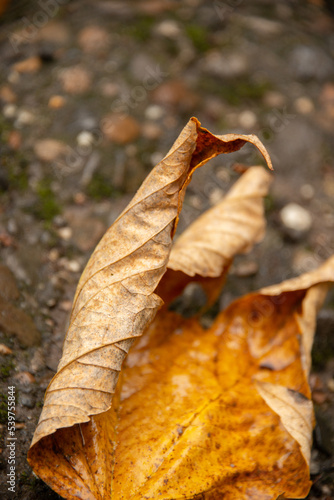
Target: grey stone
[{"x": 309, "y": 62}]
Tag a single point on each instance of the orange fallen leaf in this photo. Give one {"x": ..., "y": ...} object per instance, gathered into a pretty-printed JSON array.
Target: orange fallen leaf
[
  {"x": 198, "y": 414},
  {"x": 232, "y": 408}
]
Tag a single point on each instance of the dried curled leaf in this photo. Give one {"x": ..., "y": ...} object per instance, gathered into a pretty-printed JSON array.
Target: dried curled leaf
[
  {"x": 230, "y": 227},
  {"x": 206, "y": 248},
  {"x": 113, "y": 305}
]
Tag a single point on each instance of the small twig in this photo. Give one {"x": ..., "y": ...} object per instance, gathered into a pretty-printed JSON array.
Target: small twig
[{"x": 82, "y": 436}]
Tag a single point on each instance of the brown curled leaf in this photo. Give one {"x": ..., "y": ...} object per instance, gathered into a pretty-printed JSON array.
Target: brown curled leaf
[
  {"x": 206, "y": 248},
  {"x": 113, "y": 305}
]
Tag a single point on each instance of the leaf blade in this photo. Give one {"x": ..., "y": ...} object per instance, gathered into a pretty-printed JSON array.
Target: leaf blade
[{"x": 113, "y": 304}]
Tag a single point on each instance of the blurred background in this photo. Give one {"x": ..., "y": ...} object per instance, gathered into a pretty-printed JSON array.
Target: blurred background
[{"x": 92, "y": 96}]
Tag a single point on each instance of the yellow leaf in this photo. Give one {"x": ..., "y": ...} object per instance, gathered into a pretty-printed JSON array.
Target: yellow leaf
[{"x": 224, "y": 413}]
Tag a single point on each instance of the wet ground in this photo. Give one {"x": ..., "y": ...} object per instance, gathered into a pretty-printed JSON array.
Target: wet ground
[{"x": 92, "y": 96}]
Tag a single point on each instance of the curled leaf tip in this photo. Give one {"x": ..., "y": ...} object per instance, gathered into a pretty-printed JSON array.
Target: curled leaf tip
[{"x": 207, "y": 140}]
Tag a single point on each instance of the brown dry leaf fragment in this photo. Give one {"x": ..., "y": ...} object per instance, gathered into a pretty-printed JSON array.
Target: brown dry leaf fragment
[
  {"x": 73, "y": 445},
  {"x": 206, "y": 248},
  {"x": 223, "y": 413},
  {"x": 230, "y": 227}
]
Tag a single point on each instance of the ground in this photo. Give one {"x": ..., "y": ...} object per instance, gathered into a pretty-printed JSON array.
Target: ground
[{"x": 69, "y": 164}]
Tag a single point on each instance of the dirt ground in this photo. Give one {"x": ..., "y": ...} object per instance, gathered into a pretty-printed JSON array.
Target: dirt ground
[{"x": 68, "y": 69}]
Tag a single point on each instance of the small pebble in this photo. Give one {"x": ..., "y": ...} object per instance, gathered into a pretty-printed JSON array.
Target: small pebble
[
  {"x": 79, "y": 198},
  {"x": 175, "y": 93},
  {"x": 307, "y": 191},
  {"x": 168, "y": 28},
  {"x": 12, "y": 226},
  {"x": 109, "y": 89},
  {"x": 326, "y": 490},
  {"x": 245, "y": 269},
  {"x": 7, "y": 94},
  {"x": 24, "y": 117},
  {"x": 25, "y": 378},
  {"x": 29, "y": 65},
  {"x": 216, "y": 196},
  {"x": 304, "y": 105},
  {"x": 151, "y": 131},
  {"x": 8, "y": 287},
  {"x": 75, "y": 80},
  {"x": 154, "y": 112},
  {"x": 38, "y": 361},
  {"x": 319, "y": 397},
  {"x": 195, "y": 201},
  {"x": 53, "y": 255},
  {"x": 85, "y": 138},
  {"x": 247, "y": 119},
  {"x": 274, "y": 99},
  {"x": 65, "y": 233},
  {"x": 55, "y": 32},
  {"x": 4, "y": 350},
  {"x": 65, "y": 305},
  {"x": 73, "y": 266},
  {"x": 19, "y": 426},
  {"x": 56, "y": 102},
  {"x": 49, "y": 149},
  {"x": 330, "y": 384},
  {"x": 230, "y": 65},
  {"x": 9, "y": 111},
  {"x": 27, "y": 401},
  {"x": 264, "y": 27},
  {"x": 59, "y": 221},
  {"x": 14, "y": 77},
  {"x": 120, "y": 129},
  {"x": 94, "y": 39},
  {"x": 295, "y": 217},
  {"x": 15, "y": 140}
]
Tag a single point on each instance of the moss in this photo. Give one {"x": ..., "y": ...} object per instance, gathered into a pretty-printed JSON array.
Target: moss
[
  {"x": 26, "y": 478},
  {"x": 47, "y": 206},
  {"x": 240, "y": 90},
  {"x": 199, "y": 37},
  {"x": 13, "y": 165},
  {"x": 17, "y": 174},
  {"x": 141, "y": 29},
  {"x": 235, "y": 92},
  {"x": 269, "y": 203},
  {"x": 99, "y": 188},
  {"x": 6, "y": 369},
  {"x": 3, "y": 409}
]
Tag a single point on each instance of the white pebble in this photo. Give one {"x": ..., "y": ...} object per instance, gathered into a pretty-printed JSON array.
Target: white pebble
[
  {"x": 65, "y": 233},
  {"x": 154, "y": 112},
  {"x": 216, "y": 196},
  {"x": 304, "y": 105},
  {"x": 85, "y": 138},
  {"x": 295, "y": 217},
  {"x": 168, "y": 28},
  {"x": 247, "y": 119},
  {"x": 73, "y": 266},
  {"x": 9, "y": 111},
  {"x": 24, "y": 117}
]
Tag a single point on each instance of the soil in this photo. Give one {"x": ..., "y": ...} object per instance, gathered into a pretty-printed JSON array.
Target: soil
[{"x": 69, "y": 164}]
